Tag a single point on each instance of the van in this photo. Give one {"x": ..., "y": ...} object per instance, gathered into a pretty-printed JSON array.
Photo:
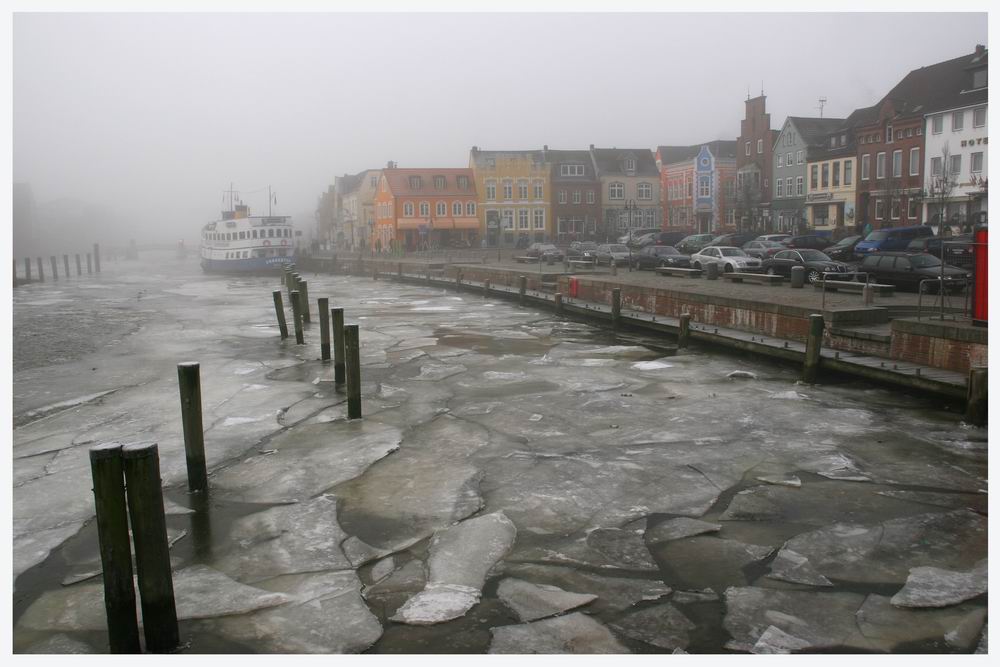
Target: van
[{"x": 892, "y": 238}]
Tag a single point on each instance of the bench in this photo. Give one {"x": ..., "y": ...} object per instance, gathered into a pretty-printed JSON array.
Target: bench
[
  {"x": 762, "y": 278},
  {"x": 526, "y": 258},
  {"x": 678, "y": 271},
  {"x": 852, "y": 286},
  {"x": 585, "y": 264}
]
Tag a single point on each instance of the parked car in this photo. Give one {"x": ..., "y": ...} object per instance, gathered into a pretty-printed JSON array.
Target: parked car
[
  {"x": 957, "y": 249},
  {"x": 641, "y": 241},
  {"x": 668, "y": 238},
  {"x": 693, "y": 243},
  {"x": 653, "y": 256},
  {"x": 762, "y": 249},
  {"x": 581, "y": 250},
  {"x": 612, "y": 252},
  {"x": 636, "y": 233},
  {"x": 773, "y": 237},
  {"x": 843, "y": 250},
  {"x": 544, "y": 251},
  {"x": 522, "y": 242},
  {"x": 815, "y": 262},
  {"x": 736, "y": 240},
  {"x": 904, "y": 269},
  {"x": 808, "y": 241},
  {"x": 896, "y": 238},
  {"x": 729, "y": 259}
]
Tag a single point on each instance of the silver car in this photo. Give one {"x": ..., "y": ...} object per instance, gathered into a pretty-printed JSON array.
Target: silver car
[
  {"x": 728, "y": 258},
  {"x": 612, "y": 252}
]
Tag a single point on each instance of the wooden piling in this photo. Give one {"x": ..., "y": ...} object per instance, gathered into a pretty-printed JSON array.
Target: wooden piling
[
  {"x": 297, "y": 317},
  {"x": 339, "y": 352},
  {"x": 116, "y": 553},
  {"x": 616, "y": 306},
  {"x": 353, "y": 349},
  {"x": 684, "y": 332},
  {"x": 97, "y": 258},
  {"x": 486, "y": 288},
  {"x": 557, "y": 298},
  {"x": 324, "y": 328},
  {"x": 522, "y": 288},
  {"x": 89, "y": 267},
  {"x": 41, "y": 271},
  {"x": 810, "y": 368},
  {"x": 189, "y": 382},
  {"x": 54, "y": 265},
  {"x": 976, "y": 405},
  {"x": 304, "y": 296},
  {"x": 292, "y": 284},
  {"x": 279, "y": 311},
  {"x": 27, "y": 269},
  {"x": 66, "y": 264},
  {"x": 79, "y": 272},
  {"x": 399, "y": 271},
  {"x": 141, "y": 464}
]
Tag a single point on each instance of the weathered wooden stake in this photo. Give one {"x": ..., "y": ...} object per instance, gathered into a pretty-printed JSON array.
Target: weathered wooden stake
[
  {"x": 89, "y": 267},
  {"x": 297, "y": 317},
  {"x": 522, "y": 288},
  {"x": 486, "y": 288},
  {"x": 304, "y": 292},
  {"x": 79, "y": 272},
  {"x": 141, "y": 464},
  {"x": 616, "y": 306},
  {"x": 41, "y": 271},
  {"x": 399, "y": 271},
  {"x": 558, "y": 301},
  {"x": 27, "y": 269},
  {"x": 292, "y": 285},
  {"x": 353, "y": 349},
  {"x": 324, "y": 328},
  {"x": 55, "y": 271},
  {"x": 66, "y": 264},
  {"x": 810, "y": 369},
  {"x": 339, "y": 371},
  {"x": 116, "y": 554},
  {"x": 97, "y": 258},
  {"x": 189, "y": 382},
  {"x": 976, "y": 405},
  {"x": 684, "y": 332},
  {"x": 279, "y": 310}
]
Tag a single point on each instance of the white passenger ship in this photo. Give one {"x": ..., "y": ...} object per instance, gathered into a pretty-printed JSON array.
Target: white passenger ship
[{"x": 244, "y": 243}]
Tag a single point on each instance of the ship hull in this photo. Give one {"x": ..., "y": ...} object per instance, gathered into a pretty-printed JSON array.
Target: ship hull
[{"x": 246, "y": 265}]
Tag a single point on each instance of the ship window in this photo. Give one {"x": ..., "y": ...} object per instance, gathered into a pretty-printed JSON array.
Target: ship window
[
  {"x": 254, "y": 232},
  {"x": 243, "y": 235},
  {"x": 288, "y": 233},
  {"x": 270, "y": 233},
  {"x": 281, "y": 252}
]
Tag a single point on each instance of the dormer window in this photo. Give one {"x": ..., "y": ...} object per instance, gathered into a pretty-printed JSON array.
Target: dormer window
[
  {"x": 415, "y": 182},
  {"x": 463, "y": 182},
  {"x": 491, "y": 163},
  {"x": 439, "y": 182},
  {"x": 979, "y": 78},
  {"x": 629, "y": 164}
]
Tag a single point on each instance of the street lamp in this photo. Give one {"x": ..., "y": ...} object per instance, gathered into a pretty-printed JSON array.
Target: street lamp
[{"x": 631, "y": 207}]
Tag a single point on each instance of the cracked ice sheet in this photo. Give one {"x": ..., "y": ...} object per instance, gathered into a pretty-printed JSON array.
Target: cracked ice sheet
[
  {"x": 662, "y": 625},
  {"x": 572, "y": 633},
  {"x": 613, "y": 593},
  {"x": 308, "y": 460},
  {"x": 609, "y": 548},
  {"x": 710, "y": 562},
  {"x": 935, "y": 587},
  {"x": 459, "y": 559},
  {"x": 199, "y": 592},
  {"x": 534, "y": 601},
  {"x": 886, "y": 627}
]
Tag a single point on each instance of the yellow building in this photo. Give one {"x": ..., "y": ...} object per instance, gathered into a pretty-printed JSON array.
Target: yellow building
[
  {"x": 513, "y": 189},
  {"x": 831, "y": 178}
]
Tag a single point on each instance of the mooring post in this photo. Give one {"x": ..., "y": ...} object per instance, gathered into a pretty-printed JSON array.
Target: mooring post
[
  {"x": 976, "y": 405},
  {"x": 55, "y": 271},
  {"x": 79, "y": 272},
  {"x": 684, "y": 332},
  {"x": 189, "y": 382},
  {"x": 353, "y": 349},
  {"x": 89, "y": 267},
  {"x": 399, "y": 271},
  {"x": 292, "y": 284},
  {"x": 616, "y": 306},
  {"x": 798, "y": 278},
  {"x": 522, "y": 288},
  {"x": 867, "y": 295},
  {"x": 304, "y": 292},
  {"x": 337, "y": 316},
  {"x": 712, "y": 271},
  {"x": 27, "y": 269},
  {"x": 279, "y": 310},
  {"x": 557, "y": 298},
  {"x": 66, "y": 264},
  {"x": 324, "y": 328},
  {"x": 810, "y": 368},
  {"x": 116, "y": 554},
  {"x": 486, "y": 288},
  {"x": 428, "y": 275},
  {"x": 97, "y": 258},
  {"x": 297, "y": 317},
  {"x": 614, "y": 267},
  {"x": 141, "y": 464},
  {"x": 41, "y": 271}
]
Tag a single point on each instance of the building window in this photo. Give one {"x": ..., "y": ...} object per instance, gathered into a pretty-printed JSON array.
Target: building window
[
  {"x": 491, "y": 190},
  {"x": 571, "y": 169},
  {"x": 590, "y": 196},
  {"x": 866, "y": 162},
  {"x": 645, "y": 191},
  {"x": 539, "y": 218},
  {"x": 779, "y": 189},
  {"x": 799, "y": 157},
  {"x": 897, "y": 164},
  {"x": 956, "y": 164},
  {"x": 522, "y": 190},
  {"x": 425, "y": 209},
  {"x": 522, "y": 218},
  {"x": 562, "y": 196},
  {"x": 704, "y": 187},
  {"x": 616, "y": 191},
  {"x": 441, "y": 209},
  {"x": 879, "y": 209},
  {"x": 814, "y": 177},
  {"x": 909, "y": 132},
  {"x": 470, "y": 208},
  {"x": 439, "y": 182},
  {"x": 894, "y": 208},
  {"x": 508, "y": 218},
  {"x": 957, "y": 121},
  {"x": 935, "y": 166},
  {"x": 539, "y": 190},
  {"x": 781, "y": 160},
  {"x": 836, "y": 174},
  {"x": 977, "y": 163},
  {"x": 979, "y": 117},
  {"x": 788, "y": 186},
  {"x": 650, "y": 217},
  {"x": 914, "y": 161},
  {"x": 800, "y": 186},
  {"x": 979, "y": 78},
  {"x": 629, "y": 164},
  {"x": 760, "y": 147},
  {"x": 456, "y": 209},
  {"x": 788, "y": 159},
  {"x": 748, "y": 148},
  {"x": 912, "y": 208},
  {"x": 408, "y": 209},
  {"x": 848, "y": 168},
  {"x": 508, "y": 190},
  {"x": 576, "y": 196},
  {"x": 825, "y": 181},
  {"x": 415, "y": 182},
  {"x": 888, "y": 134},
  {"x": 463, "y": 182},
  {"x": 880, "y": 165},
  {"x": 937, "y": 124}
]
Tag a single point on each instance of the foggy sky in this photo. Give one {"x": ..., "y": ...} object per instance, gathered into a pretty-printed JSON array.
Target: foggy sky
[{"x": 152, "y": 115}]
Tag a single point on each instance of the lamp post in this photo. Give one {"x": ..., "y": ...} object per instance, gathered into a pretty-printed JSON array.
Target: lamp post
[{"x": 631, "y": 207}]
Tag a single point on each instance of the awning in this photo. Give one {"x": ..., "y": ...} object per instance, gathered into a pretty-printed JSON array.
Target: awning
[
  {"x": 412, "y": 223},
  {"x": 443, "y": 223},
  {"x": 466, "y": 223}
]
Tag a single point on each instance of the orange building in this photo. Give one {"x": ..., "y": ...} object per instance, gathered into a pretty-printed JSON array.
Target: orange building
[{"x": 419, "y": 208}]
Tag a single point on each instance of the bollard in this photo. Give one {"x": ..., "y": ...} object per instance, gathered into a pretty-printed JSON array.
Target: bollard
[
  {"x": 486, "y": 288},
  {"x": 353, "y": 350},
  {"x": 798, "y": 276},
  {"x": 522, "y": 282},
  {"x": 684, "y": 332},
  {"x": 189, "y": 383},
  {"x": 324, "y": 328},
  {"x": 337, "y": 314},
  {"x": 78, "y": 271},
  {"x": 27, "y": 269},
  {"x": 66, "y": 264},
  {"x": 89, "y": 269},
  {"x": 279, "y": 311},
  {"x": 52, "y": 263},
  {"x": 141, "y": 464},
  {"x": 712, "y": 271},
  {"x": 97, "y": 258},
  {"x": 976, "y": 404},
  {"x": 867, "y": 295},
  {"x": 616, "y": 306},
  {"x": 41, "y": 272},
  {"x": 297, "y": 317},
  {"x": 458, "y": 278},
  {"x": 810, "y": 368},
  {"x": 292, "y": 284},
  {"x": 557, "y": 298},
  {"x": 116, "y": 554},
  {"x": 614, "y": 267},
  {"x": 304, "y": 298}
]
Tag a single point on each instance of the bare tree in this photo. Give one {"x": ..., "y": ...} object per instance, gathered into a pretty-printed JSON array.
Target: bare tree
[
  {"x": 941, "y": 186},
  {"x": 748, "y": 198}
]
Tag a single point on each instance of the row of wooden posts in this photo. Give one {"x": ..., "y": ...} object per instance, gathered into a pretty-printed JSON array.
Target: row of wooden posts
[{"x": 93, "y": 266}]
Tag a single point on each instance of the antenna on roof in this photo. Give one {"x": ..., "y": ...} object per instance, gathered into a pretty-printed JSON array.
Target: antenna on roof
[
  {"x": 762, "y": 87},
  {"x": 748, "y": 91},
  {"x": 822, "y": 103}
]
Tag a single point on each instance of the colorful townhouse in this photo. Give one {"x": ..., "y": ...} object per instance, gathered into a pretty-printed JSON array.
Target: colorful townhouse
[
  {"x": 832, "y": 176},
  {"x": 754, "y": 152},
  {"x": 630, "y": 190},
  {"x": 698, "y": 185},
  {"x": 356, "y": 218},
  {"x": 798, "y": 140},
  {"x": 576, "y": 195},
  {"x": 425, "y": 208},
  {"x": 514, "y": 200}
]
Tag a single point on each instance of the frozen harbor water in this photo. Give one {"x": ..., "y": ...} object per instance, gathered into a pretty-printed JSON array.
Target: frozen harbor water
[{"x": 519, "y": 481}]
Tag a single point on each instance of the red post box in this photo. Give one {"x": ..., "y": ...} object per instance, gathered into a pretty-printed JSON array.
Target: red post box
[{"x": 980, "y": 255}]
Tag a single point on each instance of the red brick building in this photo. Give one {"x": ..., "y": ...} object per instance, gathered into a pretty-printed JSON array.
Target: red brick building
[
  {"x": 754, "y": 157},
  {"x": 417, "y": 208},
  {"x": 698, "y": 186}
]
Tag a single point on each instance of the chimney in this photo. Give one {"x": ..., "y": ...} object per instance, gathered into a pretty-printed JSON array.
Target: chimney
[
  {"x": 979, "y": 49},
  {"x": 591, "y": 146}
]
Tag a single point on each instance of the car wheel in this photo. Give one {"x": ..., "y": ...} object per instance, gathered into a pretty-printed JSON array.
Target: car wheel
[
  {"x": 728, "y": 268},
  {"x": 771, "y": 271},
  {"x": 813, "y": 276},
  {"x": 696, "y": 265}
]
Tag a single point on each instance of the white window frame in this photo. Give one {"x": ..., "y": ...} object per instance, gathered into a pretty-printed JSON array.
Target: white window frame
[
  {"x": 936, "y": 166},
  {"x": 562, "y": 197},
  {"x": 576, "y": 197},
  {"x": 788, "y": 186},
  {"x": 937, "y": 124},
  {"x": 748, "y": 148},
  {"x": 912, "y": 208},
  {"x": 491, "y": 190},
  {"x": 897, "y": 164},
  {"x": 848, "y": 173},
  {"x": 407, "y": 210},
  {"x": 895, "y": 207},
  {"x": 779, "y": 189},
  {"x": 704, "y": 187},
  {"x": 508, "y": 190},
  {"x": 630, "y": 164},
  {"x": 866, "y": 167},
  {"x": 960, "y": 117},
  {"x": 760, "y": 147},
  {"x": 800, "y": 157},
  {"x": 888, "y": 134},
  {"x": 800, "y": 186},
  {"x": 425, "y": 209},
  {"x": 538, "y": 219},
  {"x": 951, "y": 168},
  {"x": 470, "y": 208},
  {"x": 456, "y": 209},
  {"x": 880, "y": 166},
  {"x": 780, "y": 160},
  {"x": 614, "y": 189},
  {"x": 441, "y": 209},
  {"x": 523, "y": 222},
  {"x": 879, "y": 206},
  {"x": 972, "y": 162},
  {"x": 975, "y": 112},
  {"x": 539, "y": 189},
  {"x": 788, "y": 158},
  {"x": 647, "y": 188},
  {"x": 590, "y": 196},
  {"x": 914, "y": 162}
]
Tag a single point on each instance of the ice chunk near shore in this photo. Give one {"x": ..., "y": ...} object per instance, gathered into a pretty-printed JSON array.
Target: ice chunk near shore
[
  {"x": 573, "y": 633},
  {"x": 663, "y": 625},
  {"x": 741, "y": 375},
  {"x": 886, "y": 627},
  {"x": 794, "y": 567},
  {"x": 460, "y": 557},
  {"x": 775, "y": 641},
  {"x": 533, "y": 601},
  {"x": 681, "y": 527},
  {"x": 60, "y": 644},
  {"x": 613, "y": 593},
  {"x": 936, "y": 587}
]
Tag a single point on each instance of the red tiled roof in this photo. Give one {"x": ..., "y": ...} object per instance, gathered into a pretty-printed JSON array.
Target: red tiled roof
[{"x": 399, "y": 182}]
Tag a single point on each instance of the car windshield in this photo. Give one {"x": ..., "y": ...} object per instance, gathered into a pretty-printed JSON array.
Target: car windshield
[
  {"x": 666, "y": 250},
  {"x": 617, "y": 248},
  {"x": 814, "y": 256},
  {"x": 877, "y": 236},
  {"x": 732, "y": 252},
  {"x": 546, "y": 247},
  {"x": 847, "y": 241},
  {"x": 924, "y": 261},
  {"x": 585, "y": 245}
]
